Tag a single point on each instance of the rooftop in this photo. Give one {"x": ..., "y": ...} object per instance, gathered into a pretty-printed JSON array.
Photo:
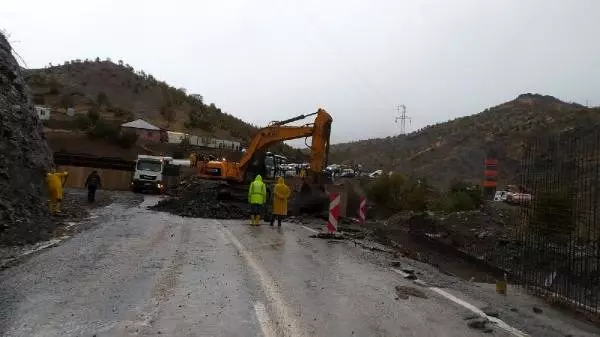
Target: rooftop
[{"x": 140, "y": 124}]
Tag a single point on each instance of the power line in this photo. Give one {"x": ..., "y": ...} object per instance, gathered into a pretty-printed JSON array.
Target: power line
[{"x": 402, "y": 117}]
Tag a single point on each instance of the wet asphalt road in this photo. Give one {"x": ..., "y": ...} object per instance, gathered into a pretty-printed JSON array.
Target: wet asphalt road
[{"x": 141, "y": 273}]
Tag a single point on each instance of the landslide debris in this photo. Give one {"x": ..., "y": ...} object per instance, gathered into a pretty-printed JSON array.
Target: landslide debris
[
  {"x": 24, "y": 159},
  {"x": 199, "y": 198}
]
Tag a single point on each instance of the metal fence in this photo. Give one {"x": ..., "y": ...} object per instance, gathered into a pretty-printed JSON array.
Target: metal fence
[
  {"x": 549, "y": 244},
  {"x": 555, "y": 246}
]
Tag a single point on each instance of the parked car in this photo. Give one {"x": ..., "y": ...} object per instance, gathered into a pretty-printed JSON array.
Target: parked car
[
  {"x": 375, "y": 174},
  {"x": 348, "y": 173},
  {"x": 518, "y": 198},
  {"x": 500, "y": 195}
]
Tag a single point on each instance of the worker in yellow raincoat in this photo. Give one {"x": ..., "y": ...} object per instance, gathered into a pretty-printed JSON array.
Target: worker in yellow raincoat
[
  {"x": 193, "y": 159},
  {"x": 302, "y": 172},
  {"x": 54, "y": 183},
  {"x": 257, "y": 195},
  {"x": 281, "y": 194}
]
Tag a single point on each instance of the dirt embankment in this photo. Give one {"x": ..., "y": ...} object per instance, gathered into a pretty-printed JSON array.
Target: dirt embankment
[
  {"x": 462, "y": 244},
  {"x": 24, "y": 158}
]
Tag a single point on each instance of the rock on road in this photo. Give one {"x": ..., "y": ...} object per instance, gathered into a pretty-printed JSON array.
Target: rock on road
[{"x": 137, "y": 272}]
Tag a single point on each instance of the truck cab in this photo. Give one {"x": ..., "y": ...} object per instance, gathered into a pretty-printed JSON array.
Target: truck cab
[{"x": 149, "y": 174}]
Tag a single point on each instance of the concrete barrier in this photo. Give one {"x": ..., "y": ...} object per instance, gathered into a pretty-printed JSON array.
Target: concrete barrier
[{"x": 111, "y": 179}]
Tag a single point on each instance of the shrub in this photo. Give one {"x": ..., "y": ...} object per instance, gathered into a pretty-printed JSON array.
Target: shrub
[
  {"x": 398, "y": 192},
  {"x": 552, "y": 215},
  {"x": 102, "y": 99},
  {"x": 66, "y": 101},
  {"x": 82, "y": 122},
  {"x": 460, "y": 196},
  {"x": 104, "y": 130},
  {"x": 120, "y": 112},
  {"x": 167, "y": 112},
  {"x": 416, "y": 197},
  {"x": 93, "y": 114},
  {"x": 459, "y": 201}
]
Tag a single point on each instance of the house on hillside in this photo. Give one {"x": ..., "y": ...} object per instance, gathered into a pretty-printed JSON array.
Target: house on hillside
[
  {"x": 43, "y": 112},
  {"x": 146, "y": 131}
]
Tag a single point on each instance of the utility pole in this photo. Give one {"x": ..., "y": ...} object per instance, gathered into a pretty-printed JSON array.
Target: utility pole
[{"x": 402, "y": 117}]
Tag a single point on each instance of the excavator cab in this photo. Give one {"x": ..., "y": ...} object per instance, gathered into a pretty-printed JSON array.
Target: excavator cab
[{"x": 262, "y": 163}]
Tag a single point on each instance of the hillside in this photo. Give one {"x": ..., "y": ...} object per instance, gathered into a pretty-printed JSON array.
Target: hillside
[
  {"x": 456, "y": 149},
  {"x": 121, "y": 94}
]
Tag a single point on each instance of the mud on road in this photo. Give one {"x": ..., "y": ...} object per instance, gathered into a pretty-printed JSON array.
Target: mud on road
[{"x": 75, "y": 215}]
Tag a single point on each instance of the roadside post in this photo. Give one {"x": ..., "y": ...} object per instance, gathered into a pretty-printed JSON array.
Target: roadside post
[
  {"x": 362, "y": 210},
  {"x": 334, "y": 212}
]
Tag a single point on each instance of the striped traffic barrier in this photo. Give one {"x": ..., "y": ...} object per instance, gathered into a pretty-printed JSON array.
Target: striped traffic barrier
[{"x": 334, "y": 212}]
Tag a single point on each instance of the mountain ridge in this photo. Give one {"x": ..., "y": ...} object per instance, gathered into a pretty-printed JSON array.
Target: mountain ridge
[{"x": 455, "y": 150}]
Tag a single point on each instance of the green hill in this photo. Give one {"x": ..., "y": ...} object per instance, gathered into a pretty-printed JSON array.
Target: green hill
[{"x": 120, "y": 93}]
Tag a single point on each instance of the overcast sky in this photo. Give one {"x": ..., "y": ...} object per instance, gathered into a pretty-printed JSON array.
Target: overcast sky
[{"x": 269, "y": 60}]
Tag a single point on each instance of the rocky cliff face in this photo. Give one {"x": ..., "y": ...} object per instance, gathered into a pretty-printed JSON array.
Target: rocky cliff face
[{"x": 24, "y": 158}]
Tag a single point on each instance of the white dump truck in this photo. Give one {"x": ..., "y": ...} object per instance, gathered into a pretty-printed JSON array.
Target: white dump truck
[{"x": 150, "y": 173}]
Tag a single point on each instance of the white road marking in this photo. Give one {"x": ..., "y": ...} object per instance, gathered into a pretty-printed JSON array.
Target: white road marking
[
  {"x": 403, "y": 274},
  {"x": 290, "y": 326},
  {"x": 266, "y": 325},
  {"x": 498, "y": 322},
  {"x": 286, "y": 324},
  {"x": 310, "y": 229}
]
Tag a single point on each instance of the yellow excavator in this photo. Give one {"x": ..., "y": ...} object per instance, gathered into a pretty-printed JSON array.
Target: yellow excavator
[{"x": 253, "y": 159}]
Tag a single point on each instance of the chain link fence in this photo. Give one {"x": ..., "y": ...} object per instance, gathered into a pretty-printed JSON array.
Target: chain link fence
[{"x": 551, "y": 241}]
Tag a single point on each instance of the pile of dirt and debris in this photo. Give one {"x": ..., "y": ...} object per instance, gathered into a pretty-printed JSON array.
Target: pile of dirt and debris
[
  {"x": 463, "y": 244},
  {"x": 199, "y": 198},
  {"x": 477, "y": 230},
  {"x": 24, "y": 159}
]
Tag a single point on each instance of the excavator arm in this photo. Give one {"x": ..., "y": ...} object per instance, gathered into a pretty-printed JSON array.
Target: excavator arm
[
  {"x": 273, "y": 134},
  {"x": 320, "y": 132}
]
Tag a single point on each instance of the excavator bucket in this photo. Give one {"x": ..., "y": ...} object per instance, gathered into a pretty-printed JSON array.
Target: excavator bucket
[{"x": 309, "y": 199}]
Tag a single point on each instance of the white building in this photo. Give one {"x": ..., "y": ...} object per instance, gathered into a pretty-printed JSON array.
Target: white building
[
  {"x": 175, "y": 137},
  {"x": 71, "y": 112},
  {"x": 43, "y": 112}
]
